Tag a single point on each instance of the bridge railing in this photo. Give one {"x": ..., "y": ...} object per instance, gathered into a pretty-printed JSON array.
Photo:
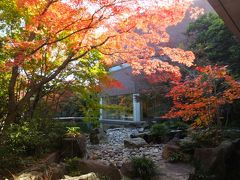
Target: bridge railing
[{"x": 76, "y": 119}]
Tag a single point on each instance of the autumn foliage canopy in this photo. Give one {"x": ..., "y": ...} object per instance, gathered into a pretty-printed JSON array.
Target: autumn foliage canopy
[
  {"x": 121, "y": 30},
  {"x": 45, "y": 37}
]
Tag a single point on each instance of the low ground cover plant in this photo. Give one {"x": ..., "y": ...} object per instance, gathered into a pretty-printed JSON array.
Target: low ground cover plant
[{"x": 143, "y": 167}]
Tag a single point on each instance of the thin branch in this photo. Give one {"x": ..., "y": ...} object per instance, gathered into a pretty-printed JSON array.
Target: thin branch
[{"x": 50, "y": 2}]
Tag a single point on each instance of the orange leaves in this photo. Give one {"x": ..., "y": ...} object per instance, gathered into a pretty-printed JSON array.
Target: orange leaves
[
  {"x": 200, "y": 98},
  {"x": 26, "y": 3},
  {"x": 58, "y": 17},
  {"x": 123, "y": 31},
  {"x": 163, "y": 72},
  {"x": 179, "y": 55},
  {"x": 215, "y": 71},
  {"x": 79, "y": 21}
]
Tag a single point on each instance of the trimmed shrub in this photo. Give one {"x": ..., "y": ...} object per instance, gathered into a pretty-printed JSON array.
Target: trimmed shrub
[
  {"x": 208, "y": 138},
  {"x": 159, "y": 130}
]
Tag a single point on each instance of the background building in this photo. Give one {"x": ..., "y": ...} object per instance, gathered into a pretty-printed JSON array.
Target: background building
[{"x": 127, "y": 97}]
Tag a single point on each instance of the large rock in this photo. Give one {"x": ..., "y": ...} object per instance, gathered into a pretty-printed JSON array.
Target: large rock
[
  {"x": 174, "y": 141},
  {"x": 53, "y": 171},
  {"x": 128, "y": 170},
  {"x": 89, "y": 176},
  {"x": 188, "y": 145},
  {"x": 147, "y": 136},
  {"x": 51, "y": 158},
  {"x": 222, "y": 162},
  {"x": 34, "y": 175},
  {"x": 74, "y": 147},
  {"x": 56, "y": 171},
  {"x": 94, "y": 136},
  {"x": 173, "y": 171},
  {"x": 168, "y": 150},
  {"x": 110, "y": 171},
  {"x": 135, "y": 143},
  {"x": 177, "y": 133}
]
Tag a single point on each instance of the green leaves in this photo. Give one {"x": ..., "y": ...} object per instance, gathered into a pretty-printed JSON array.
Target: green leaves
[
  {"x": 10, "y": 18},
  {"x": 73, "y": 132},
  {"x": 211, "y": 40}
]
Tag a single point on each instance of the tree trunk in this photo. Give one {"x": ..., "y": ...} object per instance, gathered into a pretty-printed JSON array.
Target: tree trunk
[
  {"x": 12, "y": 105},
  {"x": 15, "y": 108},
  {"x": 11, "y": 117}
]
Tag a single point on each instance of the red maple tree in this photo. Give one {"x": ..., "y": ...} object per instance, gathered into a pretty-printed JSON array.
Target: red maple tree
[
  {"x": 200, "y": 98},
  {"x": 59, "y": 32}
]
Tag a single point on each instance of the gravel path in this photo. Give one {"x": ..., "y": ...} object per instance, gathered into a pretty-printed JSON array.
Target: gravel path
[{"x": 113, "y": 151}]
